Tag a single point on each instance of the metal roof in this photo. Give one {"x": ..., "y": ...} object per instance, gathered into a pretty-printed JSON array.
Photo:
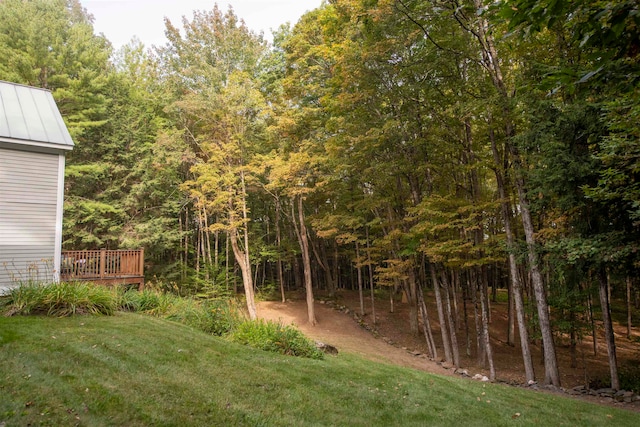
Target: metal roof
[{"x": 30, "y": 116}]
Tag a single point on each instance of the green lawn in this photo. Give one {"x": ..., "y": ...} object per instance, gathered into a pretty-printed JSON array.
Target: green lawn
[{"x": 134, "y": 370}]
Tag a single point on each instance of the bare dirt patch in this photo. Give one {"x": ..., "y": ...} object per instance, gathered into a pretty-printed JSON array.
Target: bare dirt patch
[{"x": 390, "y": 341}]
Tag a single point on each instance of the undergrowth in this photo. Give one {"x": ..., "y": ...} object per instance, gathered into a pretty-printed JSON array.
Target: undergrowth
[
  {"x": 59, "y": 300},
  {"x": 275, "y": 337},
  {"x": 219, "y": 317}
]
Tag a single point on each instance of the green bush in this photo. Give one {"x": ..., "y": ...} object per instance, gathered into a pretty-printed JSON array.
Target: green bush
[
  {"x": 216, "y": 317},
  {"x": 147, "y": 301},
  {"x": 630, "y": 376},
  {"x": 59, "y": 299},
  {"x": 275, "y": 337}
]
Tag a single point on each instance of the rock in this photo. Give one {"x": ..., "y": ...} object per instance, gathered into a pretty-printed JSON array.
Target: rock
[
  {"x": 485, "y": 379},
  {"x": 606, "y": 392},
  {"x": 462, "y": 372},
  {"x": 477, "y": 377},
  {"x": 326, "y": 348}
]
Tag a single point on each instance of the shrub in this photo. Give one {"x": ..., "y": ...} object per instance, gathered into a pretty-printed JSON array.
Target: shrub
[
  {"x": 275, "y": 337},
  {"x": 216, "y": 317},
  {"x": 147, "y": 301},
  {"x": 60, "y": 299}
]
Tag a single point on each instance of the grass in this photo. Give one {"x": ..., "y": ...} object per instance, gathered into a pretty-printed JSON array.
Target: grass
[
  {"x": 59, "y": 300},
  {"x": 137, "y": 370}
]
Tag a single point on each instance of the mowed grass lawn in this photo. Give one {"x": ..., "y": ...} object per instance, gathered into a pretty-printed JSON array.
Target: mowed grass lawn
[{"x": 135, "y": 370}]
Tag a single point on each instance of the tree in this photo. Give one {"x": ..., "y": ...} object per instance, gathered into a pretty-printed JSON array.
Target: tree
[{"x": 218, "y": 107}]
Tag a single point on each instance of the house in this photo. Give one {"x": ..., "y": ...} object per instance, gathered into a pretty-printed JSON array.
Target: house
[{"x": 33, "y": 143}]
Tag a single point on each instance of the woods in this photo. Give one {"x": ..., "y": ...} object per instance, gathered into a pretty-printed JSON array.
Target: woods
[{"x": 438, "y": 149}]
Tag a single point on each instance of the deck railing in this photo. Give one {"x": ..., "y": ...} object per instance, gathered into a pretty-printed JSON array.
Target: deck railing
[{"x": 104, "y": 266}]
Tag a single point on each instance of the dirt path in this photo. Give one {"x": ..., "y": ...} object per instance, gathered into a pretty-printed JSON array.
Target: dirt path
[{"x": 340, "y": 330}]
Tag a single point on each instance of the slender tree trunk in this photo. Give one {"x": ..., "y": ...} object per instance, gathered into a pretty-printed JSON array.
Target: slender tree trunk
[
  {"x": 477, "y": 317},
  {"x": 360, "y": 285},
  {"x": 608, "y": 328},
  {"x": 446, "y": 343},
  {"x": 324, "y": 264},
  {"x": 573, "y": 339},
  {"x": 411, "y": 292},
  {"x": 428, "y": 335},
  {"x": 628, "y": 307},
  {"x": 301, "y": 231},
  {"x": 515, "y": 283},
  {"x": 371, "y": 287},
  {"x": 454, "y": 288},
  {"x": 511, "y": 317},
  {"x": 465, "y": 298},
  {"x": 552, "y": 375},
  {"x": 226, "y": 262},
  {"x": 452, "y": 329},
  {"x": 592, "y": 320},
  {"x": 208, "y": 239},
  {"x": 279, "y": 246},
  {"x": 484, "y": 303}
]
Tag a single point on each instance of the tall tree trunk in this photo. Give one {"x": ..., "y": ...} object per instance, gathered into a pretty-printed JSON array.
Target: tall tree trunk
[
  {"x": 515, "y": 283},
  {"x": 446, "y": 343},
  {"x": 323, "y": 262},
  {"x": 411, "y": 292},
  {"x": 279, "y": 245},
  {"x": 477, "y": 317},
  {"x": 551, "y": 374},
  {"x": 484, "y": 304},
  {"x": 428, "y": 335},
  {"x": 592, "y": 321},
  {"x": 628, "y": 307},
  {"x": 242, "y": 256},
  {"x": 301, "y": 232},
  {"x": 360, "y": 286},
  {"x": 452, "y": 328},
  {"x": 371, "y": 287},
  {"x": 608, "y": 328},
  {"x": 465, "y": 298}
]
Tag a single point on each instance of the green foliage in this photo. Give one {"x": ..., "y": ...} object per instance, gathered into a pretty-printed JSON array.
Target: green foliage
[
  {"x": 59, "y": 300},
  {"x": 148, "y": 301},
  {"x": 276, "y": 337}
]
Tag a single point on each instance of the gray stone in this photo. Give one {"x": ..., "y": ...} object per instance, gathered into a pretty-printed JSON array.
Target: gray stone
[
  {"x": 326, "y": 348},
  {"x": 605, "y": 391}
]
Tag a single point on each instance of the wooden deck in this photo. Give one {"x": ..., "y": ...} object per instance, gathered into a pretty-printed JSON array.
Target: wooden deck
[{"x": 109, "y": 267}]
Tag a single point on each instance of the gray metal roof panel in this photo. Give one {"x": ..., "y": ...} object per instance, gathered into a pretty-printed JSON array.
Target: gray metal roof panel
[{"x": 31, "y": 114}]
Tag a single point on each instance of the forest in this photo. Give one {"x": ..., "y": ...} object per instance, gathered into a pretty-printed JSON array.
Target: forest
[{"x": 440, "y": 149}]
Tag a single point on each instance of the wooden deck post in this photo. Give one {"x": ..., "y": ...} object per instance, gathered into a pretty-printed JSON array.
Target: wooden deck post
[
  {"x": 141, "y": 269},
  {"x": 103, "y": 262}
]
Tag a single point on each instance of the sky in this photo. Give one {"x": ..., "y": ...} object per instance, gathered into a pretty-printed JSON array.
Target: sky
[{"x": 120, "y": 20}]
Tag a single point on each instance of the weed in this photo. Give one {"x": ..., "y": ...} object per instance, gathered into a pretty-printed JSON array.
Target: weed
[{"x": 276, "y": 337}]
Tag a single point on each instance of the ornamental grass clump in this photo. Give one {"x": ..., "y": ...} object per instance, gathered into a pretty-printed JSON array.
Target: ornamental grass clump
[
  {"x": 148, "y": 301},
  {"x": 59, "y": 300},
  {"x": 275, "y": 337}
]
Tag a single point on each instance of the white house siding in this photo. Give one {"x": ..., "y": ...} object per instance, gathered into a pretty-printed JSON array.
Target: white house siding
[{"x": 29, "y": 210}]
